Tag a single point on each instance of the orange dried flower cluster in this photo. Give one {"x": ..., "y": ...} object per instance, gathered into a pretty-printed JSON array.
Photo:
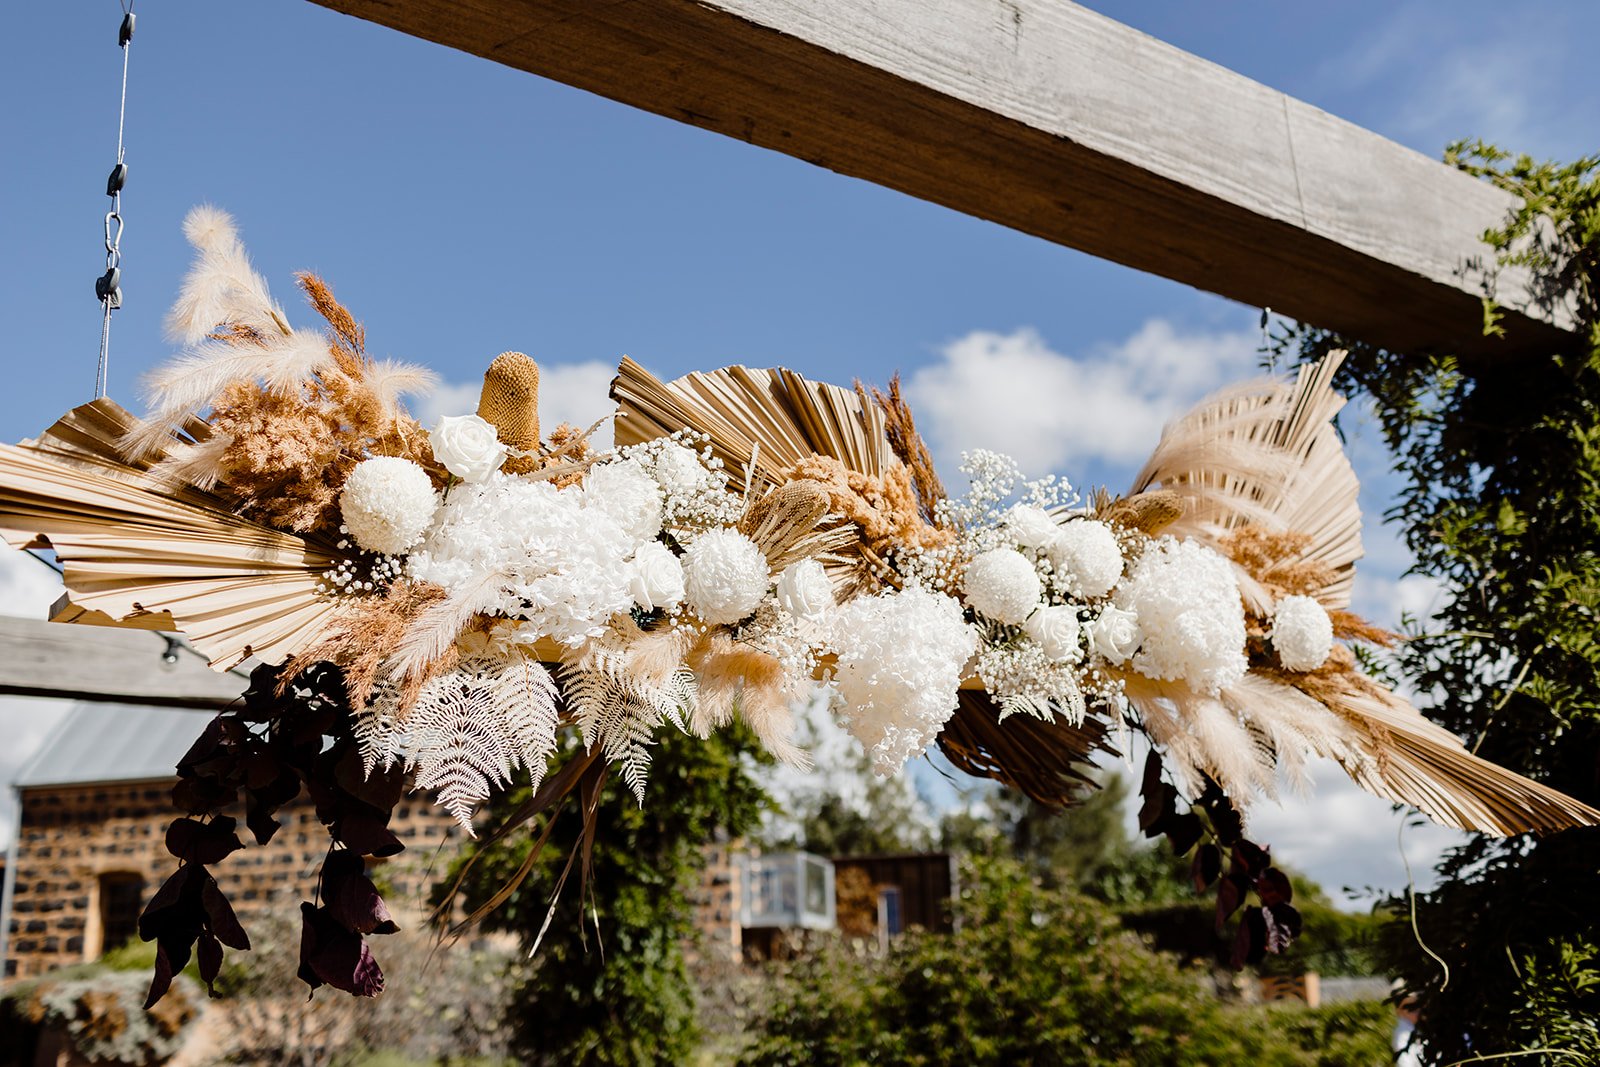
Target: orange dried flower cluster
[
  {"x": 886, "y": 509},
  {"x": 1275, "y": 560}
]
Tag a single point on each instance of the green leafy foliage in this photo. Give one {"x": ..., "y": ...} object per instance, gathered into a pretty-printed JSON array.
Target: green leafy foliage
[
  {"x": 1501, "y": 503},
  {"x": 609, "y": 983},
  {"x": 1039, "y": 976}
]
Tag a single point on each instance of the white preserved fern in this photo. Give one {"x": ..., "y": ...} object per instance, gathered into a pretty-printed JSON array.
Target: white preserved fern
[
  {"x": 379, "y": 734},
  {"x": 472, "y": 727},
  {"x": 618, "y": 710}
]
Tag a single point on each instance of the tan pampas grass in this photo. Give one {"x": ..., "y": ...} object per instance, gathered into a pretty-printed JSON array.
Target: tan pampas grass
[
  {"x": 735, "y": 678},
  {"x": 901, "y": 428},
  {"x": 363, "y": 634},
  {"x": 1267, "y": 454},
  {"x": 223, "y": 288}
]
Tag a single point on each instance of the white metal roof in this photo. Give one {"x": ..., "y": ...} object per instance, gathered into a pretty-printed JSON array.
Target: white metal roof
[{"x": 109, "y": 742}]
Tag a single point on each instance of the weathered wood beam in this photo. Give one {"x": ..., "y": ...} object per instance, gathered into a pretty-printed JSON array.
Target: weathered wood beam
[
  {"x": 47, "y": 659},
  {"x": 1046, "y": 117}
]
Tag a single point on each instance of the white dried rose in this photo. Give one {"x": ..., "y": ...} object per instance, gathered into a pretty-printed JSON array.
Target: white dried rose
[
  {"x": 804, "y": 590},
  {"x": 1302, "y": 633},
  {"x": 1087, "y": 553},
  {"x": 387, "y": 504},
  {"x": 1114, "y": 635},
  {"x": 1056, "y": 630},
  {"x": 468, "y": 446},
  {"x": 657, "y": 580},
  {"x": 1031, "y": 527},
  {"x": 1002, "y": 585}
]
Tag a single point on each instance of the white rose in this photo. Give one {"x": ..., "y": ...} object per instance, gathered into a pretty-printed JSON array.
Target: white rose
[
  {"x": 1056, "y": 630},
  {"x": 1032, "y": 527},
  {"x": 804, "y": 590},
  {"x": 657, "y": 580},
  {"x": 1115, "y": 634},
  {"x": 468, "y": 446}
]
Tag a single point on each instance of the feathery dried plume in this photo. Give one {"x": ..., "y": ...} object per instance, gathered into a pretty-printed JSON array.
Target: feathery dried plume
[
  {"x": 901, "y": 428},
  {"x": 223, "y": 287}
]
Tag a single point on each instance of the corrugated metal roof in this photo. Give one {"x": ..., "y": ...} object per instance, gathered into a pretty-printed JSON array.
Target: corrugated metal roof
[{"x": 105, "y": 742}]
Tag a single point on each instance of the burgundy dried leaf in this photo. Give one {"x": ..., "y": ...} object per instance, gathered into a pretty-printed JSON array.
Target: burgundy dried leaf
[
  {"x": 175, "y": 909},
  {"x": 210, "y": 957},
  {"x": 1183, "y": 832},
  {"x": 1250, "y": 859},
  {"x": 1273, "y": 887},
  {"x": 219, "y": 913},
  {"x": 1156, "y": 809},
  {"x": 1230, "y": 894},
  {"x": 1282, "y": 922},
  {"x": 161, "y": 975},
  {"x": 351, "y": 897},
  {"x": 194, "y": 841},
  {"x": 1207, "y": 867},
  {"x": 1227, "y": 825},
  {"x": 1250, "y": 941},
  {"x": 333, "y": 955}
]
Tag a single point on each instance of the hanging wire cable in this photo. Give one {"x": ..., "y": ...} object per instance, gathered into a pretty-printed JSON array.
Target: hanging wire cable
[{"x": 108, "y": 287}]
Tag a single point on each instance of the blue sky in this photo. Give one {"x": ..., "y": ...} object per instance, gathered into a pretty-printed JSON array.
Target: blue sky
[{"x": 461, "y": 209}]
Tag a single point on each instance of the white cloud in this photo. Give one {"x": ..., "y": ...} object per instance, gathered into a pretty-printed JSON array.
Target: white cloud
[
  {"x": 27, "y": 586},
  {"x": 568, "y": 392},
  {"x": 1015, "y": 394}
]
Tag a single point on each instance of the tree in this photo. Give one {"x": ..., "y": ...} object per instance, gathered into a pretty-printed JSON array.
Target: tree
[
  {"x": 1039, "y": 976},
  {"x": 1501, "y": 460},
  {"x": 608, "y": 983}
]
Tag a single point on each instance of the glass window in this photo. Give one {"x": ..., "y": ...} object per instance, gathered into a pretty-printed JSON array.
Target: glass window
[{"x": 121, "y": 899}]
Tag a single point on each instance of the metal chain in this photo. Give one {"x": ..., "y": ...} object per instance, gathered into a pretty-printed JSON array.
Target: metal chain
[{"x": 108, "y": 287}]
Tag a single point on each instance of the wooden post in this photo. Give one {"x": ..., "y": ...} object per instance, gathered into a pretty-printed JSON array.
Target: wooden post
[{"x": 1044, "y": 116}]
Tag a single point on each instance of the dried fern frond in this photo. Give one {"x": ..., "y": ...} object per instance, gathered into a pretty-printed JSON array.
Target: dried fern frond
[{"x": 472, "y": 727}]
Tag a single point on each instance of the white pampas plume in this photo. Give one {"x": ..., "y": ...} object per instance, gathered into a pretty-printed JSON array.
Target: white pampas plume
[
  {"x": 389, "y": 381},
  {"x": 286, "y": 363},
  {"x": 199, "y": 465},
  {"x": 437, "y": 628},
  {"x": 222, "y": 287}
]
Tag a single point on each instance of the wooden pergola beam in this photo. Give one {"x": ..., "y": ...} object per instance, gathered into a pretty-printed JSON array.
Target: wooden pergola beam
[
  {"x": 1046, "y": 117},
  {"x": 46, "y": 659}
]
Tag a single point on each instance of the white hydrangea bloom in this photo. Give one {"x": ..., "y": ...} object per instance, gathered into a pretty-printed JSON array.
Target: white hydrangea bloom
[
  {"x": 901, "y": 659},
  {"x": 1302, "y": 633},
  {"x": 1001, "y": 584},
  {"x": 1086, "y": 552},
  {"x": 387, "y": 504},
  {"x": 1031, "y": 527},
  {"x": 629, "y": 494},
  {"x": 1186, "y": 600},
  {"x": 527, "y": 550},
  {"x": 725, "y": 576},
  {"x": 678, "y": 469}
]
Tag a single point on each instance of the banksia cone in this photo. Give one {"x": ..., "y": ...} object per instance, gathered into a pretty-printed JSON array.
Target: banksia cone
[{"x": 510, "y": 400}]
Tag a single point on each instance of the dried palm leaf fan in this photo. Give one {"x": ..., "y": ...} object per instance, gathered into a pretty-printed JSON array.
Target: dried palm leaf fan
[{"x": 137, "y": 550}]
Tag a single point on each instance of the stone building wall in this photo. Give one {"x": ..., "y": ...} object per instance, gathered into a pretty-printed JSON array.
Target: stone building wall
[{"x": 84, "y": 850}]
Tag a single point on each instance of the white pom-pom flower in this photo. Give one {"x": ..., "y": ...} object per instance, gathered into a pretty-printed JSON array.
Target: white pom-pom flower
[
  {"x": 1001, "y": 584},
  {"x": 1087, "y": 554},
  {"x": 901, "y": 658},
  {"x": 657, "y": 577},
  {"x": 387, "y": 504},
  {"x": 1031, "y": 527},
  {"x": 1186, "y": 600},
  {"x": 804, "y": 590},
  {"x": 725, "y": 576},
  {"x": 1302, "y": 633},
  {"x": 1056, "y": 631},
  {"x": 629, "y": 494}
]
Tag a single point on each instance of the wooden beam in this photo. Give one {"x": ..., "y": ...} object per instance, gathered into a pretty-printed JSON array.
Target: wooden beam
[
  {"x": 47, "y": 659},
  {"x": 1046, "y": 117}
]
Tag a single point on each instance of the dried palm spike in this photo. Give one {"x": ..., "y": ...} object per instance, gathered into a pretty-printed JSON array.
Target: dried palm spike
[
  {"x": 1149, "y": 512},
  {"x": 783, "y": 517},
  {"x": 510, "y": 400}
]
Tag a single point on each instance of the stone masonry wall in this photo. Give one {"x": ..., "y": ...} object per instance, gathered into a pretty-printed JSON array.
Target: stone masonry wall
[{"x": 73, "y": 835}]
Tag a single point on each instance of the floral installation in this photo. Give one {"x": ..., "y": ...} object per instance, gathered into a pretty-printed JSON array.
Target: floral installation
[{"x": 438, "y": 607}]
